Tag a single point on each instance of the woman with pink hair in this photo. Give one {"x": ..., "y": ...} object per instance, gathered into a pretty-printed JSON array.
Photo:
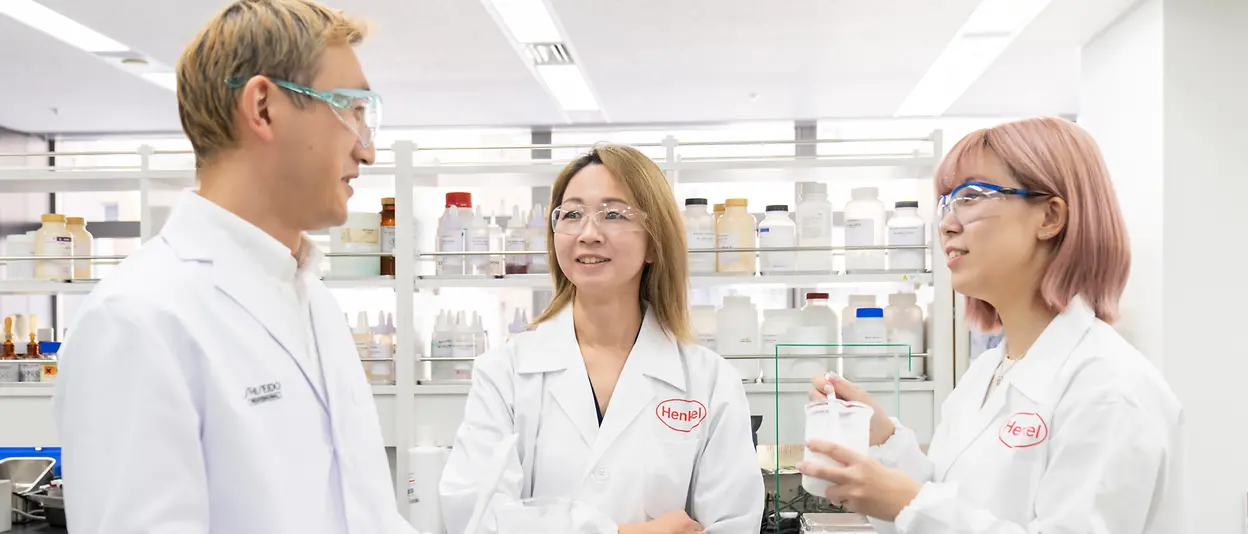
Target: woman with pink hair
[{"x": 1064, "y": 427}]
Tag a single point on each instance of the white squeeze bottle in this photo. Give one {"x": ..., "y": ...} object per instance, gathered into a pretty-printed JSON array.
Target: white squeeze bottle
[
  {"x": 479, "y": 341},
  {"x": 699, "y": 234},
  {"x": 461, "y": 346},
  {"x": 814, "y": 228},
  {"x": 537, "y": 240},
  {"x": 864, "y": 227},
  {"x": 478, "y": 239},
  {"x": 517, "y": 241},
  {"x": 451, "y": 239},
  {"x": 498, "y": 242},
  {"x": 441, "y": 346},
  {"x": 777, "y": 230}
]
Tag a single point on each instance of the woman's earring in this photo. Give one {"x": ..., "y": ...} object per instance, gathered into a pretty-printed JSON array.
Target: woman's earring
[{"x": 1044, "y": 235}]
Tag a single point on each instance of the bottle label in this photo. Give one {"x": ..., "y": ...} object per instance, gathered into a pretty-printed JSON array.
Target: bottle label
[
  {"x": 814, "y": 225},
  {"x": 54, "y": 245},
  {"x": 707, "y": 340},
  {"x": 906, "y": 260},
  {"x": 702, "y": 261},
  {"x": 727, "y": 241},
  {"x": 778, "y": 237},
  {"x": 479, "y": 243},
  {"x": 368, "y": 236},
  {"x": 905, "y": 235},
  {"x": 860, "y": 232}
]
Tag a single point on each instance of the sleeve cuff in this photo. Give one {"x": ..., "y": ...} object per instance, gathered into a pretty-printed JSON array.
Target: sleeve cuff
[
  {"x": 901, "y": 443},
  {"x": 931, "y": 495}
]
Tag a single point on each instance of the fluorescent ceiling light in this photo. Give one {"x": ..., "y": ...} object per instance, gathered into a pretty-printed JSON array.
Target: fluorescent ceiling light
[
  {"x": 983, "y": 37},
  {"x": 41, "y": 18},
  {"x": 168, "y": 80},
  {"x": 527, "y": 20},
  {"x": 568, "y": 84}
]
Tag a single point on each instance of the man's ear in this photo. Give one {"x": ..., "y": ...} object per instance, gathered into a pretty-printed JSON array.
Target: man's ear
[{"x": 255, "y": 109}]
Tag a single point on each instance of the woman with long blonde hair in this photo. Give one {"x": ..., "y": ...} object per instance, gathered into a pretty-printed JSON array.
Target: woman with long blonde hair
[{"x": 614, "y": 404}]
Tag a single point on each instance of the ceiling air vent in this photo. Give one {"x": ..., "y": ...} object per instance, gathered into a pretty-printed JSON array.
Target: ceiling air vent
[{"x": 548, "y": 54}]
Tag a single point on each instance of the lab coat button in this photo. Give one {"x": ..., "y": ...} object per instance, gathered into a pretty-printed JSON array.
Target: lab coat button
[{"x": 601, "y": 475}]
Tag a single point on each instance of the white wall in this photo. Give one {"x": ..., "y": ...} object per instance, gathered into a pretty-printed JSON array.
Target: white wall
[
  {"x": 1177, "y": 105},
  {"x": 1121, "y": 99}
]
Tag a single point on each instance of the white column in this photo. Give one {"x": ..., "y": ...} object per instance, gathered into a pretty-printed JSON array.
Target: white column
[{"x": 1177, "y": 106}]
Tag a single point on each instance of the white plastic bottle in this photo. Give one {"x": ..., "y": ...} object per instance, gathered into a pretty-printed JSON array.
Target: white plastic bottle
[
  {"x": 850, "y": 313},
  {"x": 864, "y": 227},
  {"x": 907, "y": 228},
  {"x": 53, "y": 239},
  {"x": 814, "y": 228},
  {"x": 699, "y": 234},
  {"x": 441, "y": 347},
  {"x": 777, "y": 230},
  {"x": 382, "y": 345},
  {"x": 870, "y": 334},
  {"x": 363, "y": 335},
  {"x": 478, "y": 239},
  {"x": 77, "y": 227},
  {"x": 21, "y": 246},
  {"x": 451, "y": 239},
  {"x": 462, "y": 346},
  {"x": 775, "y": 330},
  {"x": 818, "y": 313},
  {"x": 498, "y": 242},
  {"x": 904, "y": 320},
  {"x": 538, "y": 226},
  {"x": 736, "y": 229},
  {"x": 517, "y": 241},
  {"x": 737, "y": 333},
  {"x": 703, "y": 319}
]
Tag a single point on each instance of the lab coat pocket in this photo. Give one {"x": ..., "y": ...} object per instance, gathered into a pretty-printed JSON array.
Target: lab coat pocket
[{"x": 669, "y": 471}]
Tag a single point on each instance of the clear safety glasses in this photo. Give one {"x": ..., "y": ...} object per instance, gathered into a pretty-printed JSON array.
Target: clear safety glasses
[
  {"x": 358, "y": 109},
  {"x": 973, "y": 201},
  {"x": 612, "y": 218}
]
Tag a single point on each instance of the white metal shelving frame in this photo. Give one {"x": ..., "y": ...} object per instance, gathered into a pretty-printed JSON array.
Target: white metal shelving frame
[{"x": 398, "y": 404}]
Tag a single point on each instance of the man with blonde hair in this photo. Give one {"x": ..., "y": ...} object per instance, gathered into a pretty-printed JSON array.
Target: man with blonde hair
[{"x": 210, "y": 385}]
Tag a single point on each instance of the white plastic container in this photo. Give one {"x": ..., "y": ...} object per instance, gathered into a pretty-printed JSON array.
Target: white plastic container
[
  {"x": 22, "y": 246},
  {"x": 54, "y": 239},
  {"x": 864, "y": 227},
  {"x": 867, "y": 363},
  {"x": 498, "y": 242},
  {"x": 699, "y": 233},
  {"x": 814, "y": 228},
  {"x": 441, "y": 346},
  {"x": 777, "y": 230},
  {"x": 704, "y": 322},
  {"x": 478, "y": 240},
  {"x": 812, "y": 344},
  {"x": 776, "y": 328},
  {"x": 517, "y": 236},
  {"x": 904, "y": 320},
  {"x": 844, "y": 423},
  {"x": 737, "y": 333},
  {"x": 818, "y": 313},
  {"x": 538, "y": 226},
  {"x": 736, "y": 230},
  {"x": 907, "y": 228},
  {"x": 850, "y": 313},
  {"x": 360, "y": 234},
  {"x": 451, "y": 235},
  {"x": 77, "y": 227}
]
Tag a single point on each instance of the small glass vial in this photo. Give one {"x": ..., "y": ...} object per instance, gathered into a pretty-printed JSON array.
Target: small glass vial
[{"x": 387, "y": 236}]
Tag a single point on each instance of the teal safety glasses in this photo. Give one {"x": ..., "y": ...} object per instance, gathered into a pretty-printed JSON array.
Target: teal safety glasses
[{"x": 358, "y": 109}]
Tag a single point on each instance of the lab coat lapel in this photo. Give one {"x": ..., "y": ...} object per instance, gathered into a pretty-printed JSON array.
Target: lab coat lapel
[
  {"x": 654, "y": 355},
  {"x": 193, "y": 237},
  {"x": 973, "y": 413},
  {"x": 571, "y": 391}
]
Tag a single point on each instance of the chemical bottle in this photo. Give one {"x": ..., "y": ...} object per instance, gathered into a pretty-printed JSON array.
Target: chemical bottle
[
  {"x": 20, "y": 246},
  {"x": 440, "y": 347},
  {"x": 736, "y": 230},
  {"x": 775, "y": 330},
  {"x": 850, "y": 313},
  {"x": 480, "y": 343},
  {"x": 381, "y": 345},
  {"x": 461, "y": 346},
  {"x": 699, "y": 234},
  {"x": 54, "y": 239},
  {"x": 478, "y": 239},
  {"x": 498, "y": 243},
  {"x": 864, "y": 227},
  {"x": 870, "y": 335},
  {"x": 907, "y": 228},
  {"x": 904, "y": 320},
  {"x": 451, "y": 239},
  {"x": 387, "y": 236},
  {"x": 736, "y": 334},
  {"x": 21, "y": 330},
  {"x": 538, "y": 226},
  {"x": 819, "y": 314},
  {"x": 363, "y": 336},
  {"x": 32, "y": 347},
  {"x": 77, "y": 227},
  {"x": 716, "y": 213},
  {"x": 703, "y": 321},
  {"x": 394, "y": 334},
  {"x": 518, "y": 325},
  {"x": 814, "y": 228},
  {"x": 10, "y": 349},
  {"x": 777, "y": 230},
  {"x": 517, "y": 241}
]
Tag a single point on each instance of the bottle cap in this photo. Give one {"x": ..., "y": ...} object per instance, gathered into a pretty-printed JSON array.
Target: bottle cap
[
  {"x": 814, "y": 188},
  {"x": 737, "y": 202},
  {"x": 76, "y": 221},
  {"x": 695, "y": 201},
  {"x": 52, "y": 217},
  {"x": 459, "y": 198},
  {"x": 870, "y": 313},
  {"x": 816, "y": 296},
  {"x": 719, "y": 207},
  {"x": 388, "y": 201},
  {"x": 865, "y": 193},
  {"x": 907, "y": 204},
  {"x": 778, "y": 207}
]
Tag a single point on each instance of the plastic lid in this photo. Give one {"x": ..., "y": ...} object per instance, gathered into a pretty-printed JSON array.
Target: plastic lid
[
  {"x": 870, "y": 313},
  {"x": 778, "y": 207},
  {"x": 737, "y": 202},
  {"x": 865, "y": 193},
  {"x": 823, "y": 296},
  {"x": 695, "y": 201},
  {"x": 719, "y": 207},
  {"x": 49, "y": 347},
  {"x": 818, "y": 188},
  {"x": 387, "y": 201},
  {"x": 76, "y": 220},
  {"x": 461, "y": 199},
  {"x": 52, "y": 217},
  {"x": 907, "y": 204},
  {"x": 902, "y": 299}
]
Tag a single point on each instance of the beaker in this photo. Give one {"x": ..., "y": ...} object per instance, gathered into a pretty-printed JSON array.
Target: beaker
[{"x": 541, "y": 515}]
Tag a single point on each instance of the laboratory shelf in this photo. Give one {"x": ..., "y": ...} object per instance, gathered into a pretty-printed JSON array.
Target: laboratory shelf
[
  {"x": 542, "y": 281},
  {"x": 36, "y": 287},
  {"x": 883, "y": 386},
  {"x": 41, "y": 389},
  {"x": 385, "y": 389},
  {"x": 443, "y": 389},
  {"x": 377, "y": 282}
]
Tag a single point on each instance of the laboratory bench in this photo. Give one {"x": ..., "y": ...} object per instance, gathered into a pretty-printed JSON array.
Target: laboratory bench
[{"x": 37, "y": 527}]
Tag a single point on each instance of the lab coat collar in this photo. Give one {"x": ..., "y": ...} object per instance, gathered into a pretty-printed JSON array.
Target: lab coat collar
[{"x": 195, "y": 232}]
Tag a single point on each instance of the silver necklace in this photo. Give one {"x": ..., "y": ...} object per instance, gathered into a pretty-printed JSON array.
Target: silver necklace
[{"x": 1003, "y": 368}]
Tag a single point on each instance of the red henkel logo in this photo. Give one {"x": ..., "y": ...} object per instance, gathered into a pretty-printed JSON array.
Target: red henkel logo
[
  {"x": 1023, "y": 429},
  {"x": 681, "y": 415}
]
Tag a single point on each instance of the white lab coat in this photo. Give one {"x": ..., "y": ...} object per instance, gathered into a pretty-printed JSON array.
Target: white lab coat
[
  {"x": 676, "y": 435},
  {"x": 183, "y": 407},
  {"x": 1082, "y": 436}
]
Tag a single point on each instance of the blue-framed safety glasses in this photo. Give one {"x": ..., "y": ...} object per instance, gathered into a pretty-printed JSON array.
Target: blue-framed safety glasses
[
  {"x": 358, "y": 109},
  {"x": 972, "y": 201}
]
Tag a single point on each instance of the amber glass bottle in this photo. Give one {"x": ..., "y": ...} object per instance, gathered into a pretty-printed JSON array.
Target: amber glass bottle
[{"x": 387, "y": 236}]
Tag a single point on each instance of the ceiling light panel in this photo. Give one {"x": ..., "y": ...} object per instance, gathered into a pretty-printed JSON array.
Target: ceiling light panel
[
  {"x": 41, "y": 18},
  {"x": 529, "y": 21},
  {"x": 567, "y": 83}
]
